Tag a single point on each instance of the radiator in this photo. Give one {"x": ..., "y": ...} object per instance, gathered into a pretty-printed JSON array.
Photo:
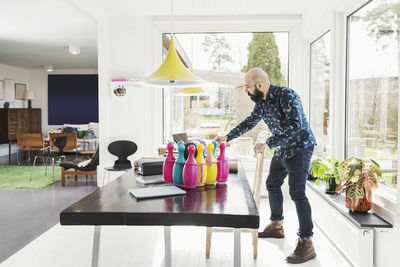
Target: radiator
[{"x": 355, "y": 243}]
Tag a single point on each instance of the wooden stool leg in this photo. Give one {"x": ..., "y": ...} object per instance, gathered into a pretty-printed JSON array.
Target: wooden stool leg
[
  {"x": 255, "y": 243},
  {"x": 208, "y": 241},
  {"x": 76, "y": 177}
]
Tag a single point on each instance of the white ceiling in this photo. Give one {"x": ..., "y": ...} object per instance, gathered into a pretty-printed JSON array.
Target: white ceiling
[
  {"x": 34, "y": 33},
  {"x": 201, "y": 7}
]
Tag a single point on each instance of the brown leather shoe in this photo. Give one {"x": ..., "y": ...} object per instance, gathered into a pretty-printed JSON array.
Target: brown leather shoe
[
  {"x": 304, "y": 251},
  {"x": 273, "y": 230}
]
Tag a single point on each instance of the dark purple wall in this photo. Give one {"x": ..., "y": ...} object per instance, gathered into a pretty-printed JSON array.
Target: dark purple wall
[{"x": 73, "y": 99}]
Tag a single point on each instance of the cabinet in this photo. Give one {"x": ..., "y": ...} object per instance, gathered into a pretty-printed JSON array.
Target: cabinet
[{"x": 18, "y": 120}]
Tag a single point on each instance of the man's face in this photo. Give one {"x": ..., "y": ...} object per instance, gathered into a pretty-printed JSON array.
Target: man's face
[
  {"x": 253, "y": 90},
  {"x": 249, "y": 86}
]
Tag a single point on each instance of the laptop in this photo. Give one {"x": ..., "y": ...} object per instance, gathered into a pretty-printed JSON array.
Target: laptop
[{"x": 156, "y": 191}]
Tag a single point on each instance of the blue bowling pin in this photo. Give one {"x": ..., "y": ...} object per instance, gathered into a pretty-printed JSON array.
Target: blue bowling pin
[
  {"x": 180, "y": 142},
  {"x": 215, "y": 143},
  {"x": 178, "y": 167}
]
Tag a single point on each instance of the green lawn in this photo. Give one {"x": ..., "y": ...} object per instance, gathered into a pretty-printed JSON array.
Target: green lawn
[{"x": 17, "y": 177}]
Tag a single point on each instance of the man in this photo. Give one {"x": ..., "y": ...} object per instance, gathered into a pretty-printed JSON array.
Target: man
[{"x": 293, "y": 140}]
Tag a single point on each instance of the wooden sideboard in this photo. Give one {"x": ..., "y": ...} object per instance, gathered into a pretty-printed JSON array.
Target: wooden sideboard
[{"x": 18, "y": 120}]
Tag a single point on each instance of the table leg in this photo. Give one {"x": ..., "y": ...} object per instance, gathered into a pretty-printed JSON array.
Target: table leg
[
  {"x": 237, "y": 248},
  {"x": 96, "y": 245},
  {"x": 167, "y": 245}
]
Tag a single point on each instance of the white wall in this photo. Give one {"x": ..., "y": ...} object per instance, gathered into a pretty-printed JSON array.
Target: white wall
[
  {"x": 19, "y": 75},
  {"x": 125, "y": 50},
  {"x": 36, "y": 80}
]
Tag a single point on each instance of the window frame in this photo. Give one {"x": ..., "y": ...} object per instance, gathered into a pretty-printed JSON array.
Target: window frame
[
  {"x": 386, "y": 194},
  {"x": 165, "y": 94},
  {"x": 310, "y": 76}
]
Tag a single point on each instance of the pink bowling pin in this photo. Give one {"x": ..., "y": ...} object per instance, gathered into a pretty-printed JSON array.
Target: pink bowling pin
[
  {"x": 169, "y": 164},
  {"x": 190, "y": 171},
  {"x": 223, "y": 167}
]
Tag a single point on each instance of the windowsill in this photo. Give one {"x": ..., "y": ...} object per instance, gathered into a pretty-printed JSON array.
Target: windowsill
[
  {"x": 338, "y": 202},
  {"x": 384, "y": 202}
]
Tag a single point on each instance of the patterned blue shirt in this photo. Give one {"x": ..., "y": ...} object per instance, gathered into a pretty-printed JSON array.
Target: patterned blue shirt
[{"x": 283, "y": 112}]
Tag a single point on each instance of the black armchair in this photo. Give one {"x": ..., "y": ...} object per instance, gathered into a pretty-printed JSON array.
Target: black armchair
[{"x": 78, "y": 169}]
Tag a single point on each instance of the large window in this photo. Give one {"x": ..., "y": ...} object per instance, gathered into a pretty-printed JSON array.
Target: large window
[
  {"x": 373, "y": 85},
  {"x": 319, "y": 92},
  {"x": 222, "y": 59}
]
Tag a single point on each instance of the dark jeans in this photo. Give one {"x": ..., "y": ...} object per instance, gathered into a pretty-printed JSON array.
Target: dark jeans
[{"x": 297, "y": 168}]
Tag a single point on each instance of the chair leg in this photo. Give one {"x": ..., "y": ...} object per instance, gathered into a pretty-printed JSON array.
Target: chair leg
[
  {"x": 45, "y": 173},
  {"x": 62, "y": 176},
  {"x": 255, "y": 243},
  {"x": 76, "y": 177},
  {"x": 19, "y": 163},
  {"x": 208, "y": 241},
  {"x": 33, "y": 166},
  {"x": 9, "y": 153},
  {"x": 52, "y": 163}
]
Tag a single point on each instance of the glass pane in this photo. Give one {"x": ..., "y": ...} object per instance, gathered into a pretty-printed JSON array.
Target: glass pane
[
  {"x": 222, "y": 59},
  {"x": 319, "y": 92},
  {"x": 373, "y": 86}
]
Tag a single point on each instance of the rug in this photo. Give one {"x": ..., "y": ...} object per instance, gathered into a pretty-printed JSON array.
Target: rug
[{"x": 17, "y": 177}]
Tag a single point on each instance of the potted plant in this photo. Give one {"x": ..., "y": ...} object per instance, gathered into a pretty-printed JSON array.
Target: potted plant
[
  {"x": 331, "y": 176},
  {"x": 317, "y": 169},
  {"x": 357, "y": 179}
]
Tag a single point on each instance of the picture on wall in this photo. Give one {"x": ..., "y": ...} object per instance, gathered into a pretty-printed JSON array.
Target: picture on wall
[
  {"x": 9, "y": 90},
  {"x": 73, "y": 98},
  {"x": 20, "y": 89}
]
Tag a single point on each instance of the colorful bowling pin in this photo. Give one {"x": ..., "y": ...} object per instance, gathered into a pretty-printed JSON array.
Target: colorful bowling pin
[
  {"x": 178, "y": 167},
  {"x": 190, "y": 171},
  {"x": 223, "y": 167},
  {"x": 169, "y": 164},
  {"x": 212, "y": 168},
  {"x": 180, "y": 142},
  {"x": 202, "y": 167},
  {"x": 215, "y": 143}
]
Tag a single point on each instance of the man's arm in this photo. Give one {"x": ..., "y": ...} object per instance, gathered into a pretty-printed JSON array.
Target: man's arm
[
  {"x": 292, "y": 109},
  {"x": 246, "y": 125}
]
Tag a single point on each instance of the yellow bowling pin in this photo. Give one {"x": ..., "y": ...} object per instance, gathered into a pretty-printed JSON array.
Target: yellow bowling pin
[
  {"x": 212, "y": 170},
  {"x": 200, "y": 159}
]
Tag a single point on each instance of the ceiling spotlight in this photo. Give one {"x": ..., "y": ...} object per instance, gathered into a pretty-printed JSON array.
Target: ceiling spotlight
[
  {"x": 74, "y": 50},
  {"x": 48, "y": 67}
]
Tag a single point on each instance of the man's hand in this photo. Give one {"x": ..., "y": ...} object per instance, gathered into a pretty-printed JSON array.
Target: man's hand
[
  {"x": 220, "y": 139},
  {"x": 259, "y": 147}
]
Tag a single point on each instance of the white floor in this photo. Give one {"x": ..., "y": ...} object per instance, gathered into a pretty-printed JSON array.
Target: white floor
[{"x": 144, "y": 246}]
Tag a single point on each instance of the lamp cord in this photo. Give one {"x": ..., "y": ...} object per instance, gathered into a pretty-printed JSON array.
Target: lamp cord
[{"x": 172, "y": 15}]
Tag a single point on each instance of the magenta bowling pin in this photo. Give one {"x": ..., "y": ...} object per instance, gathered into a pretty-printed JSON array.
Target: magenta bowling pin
[
  {"x": 223, "y": 166},
  {"x": 191, "y": 170},
  {"x": 169, "y": 164}
]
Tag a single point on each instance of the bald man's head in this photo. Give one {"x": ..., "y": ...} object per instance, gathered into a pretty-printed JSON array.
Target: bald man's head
[
  {"x": 257, "y": 84},
  {"x": 257, "y": 75}
]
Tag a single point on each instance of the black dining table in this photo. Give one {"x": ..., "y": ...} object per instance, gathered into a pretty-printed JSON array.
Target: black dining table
[{"x": 224, "y": 205}]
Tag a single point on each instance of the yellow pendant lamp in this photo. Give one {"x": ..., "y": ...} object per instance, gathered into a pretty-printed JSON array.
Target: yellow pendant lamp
[
  {"x": 172, "y": 72},
  {"x": 192, "y": 91}
]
